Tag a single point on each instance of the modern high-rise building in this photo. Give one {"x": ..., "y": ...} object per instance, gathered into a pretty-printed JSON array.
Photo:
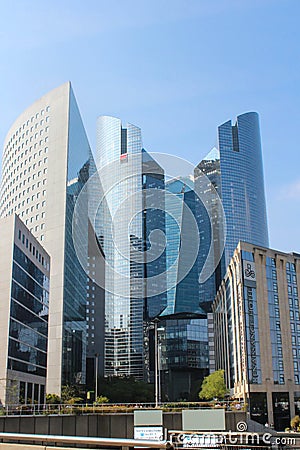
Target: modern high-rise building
[
  {"x": 212, "y": 224},
  {"x": 257, "y": 332},
  {"x": 113, "y": 271},
  {"x": 236, "y": 172},
  {"x": 24, "y": 306},
  {"x": 184, "y": 355},
  {"x": 46, "y": 160},
  {"x": 242, "y": 182},
  {"x": 95, "y": 308},
  {"x": 182, "y": 251},
  {"x": 131, "y": 206}
]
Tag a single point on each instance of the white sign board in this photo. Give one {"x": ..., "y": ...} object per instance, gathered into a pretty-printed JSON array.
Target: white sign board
[
  {"x": 148, "y": 418},
  {"x": 203, "y": 419},
  {"x": 149, "y": 433}
]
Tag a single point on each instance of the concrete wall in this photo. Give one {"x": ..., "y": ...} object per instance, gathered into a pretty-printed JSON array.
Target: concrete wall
[{"x": 97, "y": 425}]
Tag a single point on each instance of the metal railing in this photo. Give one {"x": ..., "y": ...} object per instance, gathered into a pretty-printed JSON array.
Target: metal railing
[
  {"x": 43, "y": 439},
  {"x": 109, "y": 408}
]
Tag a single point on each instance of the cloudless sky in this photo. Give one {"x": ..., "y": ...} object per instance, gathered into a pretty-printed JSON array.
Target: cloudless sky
[{"x": 177, "y": 69}]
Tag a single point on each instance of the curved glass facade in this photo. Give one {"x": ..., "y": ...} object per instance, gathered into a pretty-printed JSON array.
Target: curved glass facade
[
  {"x": 242, "y": 182},
  {"x": 125, "y": 219},
  {"x": 235, "y": 170},
  {"x": 123, "y": 311}
]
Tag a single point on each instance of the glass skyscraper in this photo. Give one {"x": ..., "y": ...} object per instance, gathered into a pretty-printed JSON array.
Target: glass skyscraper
[
  {"x": 182, "y": 296},
  {"x": 185, "y": 347},
  {"x": 212, "y": 226},
  {"x": 129, "y": 210},
  {"x": 236, "y": 171},
  {"x": 242, "y": 182}
]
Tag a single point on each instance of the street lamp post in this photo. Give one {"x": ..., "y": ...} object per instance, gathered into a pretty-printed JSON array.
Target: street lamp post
[
  {"x": 157, "y": 362},
  {"x": 159, "y": 366},
  {"x": 96, "y": 375},
  {"x": 155, "y": 321}
]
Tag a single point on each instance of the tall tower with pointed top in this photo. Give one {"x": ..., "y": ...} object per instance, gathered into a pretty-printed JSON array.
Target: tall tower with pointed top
[{"x": 235, "y": 170}]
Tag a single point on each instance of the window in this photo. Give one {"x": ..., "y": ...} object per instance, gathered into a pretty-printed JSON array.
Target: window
[{"x": 295, "y": 290}]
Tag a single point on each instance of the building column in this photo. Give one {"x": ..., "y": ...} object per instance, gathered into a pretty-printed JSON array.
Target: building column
[
  {"x": 270, "y": 407},
  {"x": 292, "y": 403}
]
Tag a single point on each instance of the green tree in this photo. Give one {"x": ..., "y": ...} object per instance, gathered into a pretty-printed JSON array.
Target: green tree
[
  {"x": 70, "y": 395},
  {"x": 52, "y": 399},
  {"x": 101, "y": 399},
  {"x": 213, "y": 386}
]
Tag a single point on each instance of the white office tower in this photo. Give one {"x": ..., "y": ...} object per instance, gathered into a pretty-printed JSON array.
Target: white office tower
[{"x": 45, "y": 164}]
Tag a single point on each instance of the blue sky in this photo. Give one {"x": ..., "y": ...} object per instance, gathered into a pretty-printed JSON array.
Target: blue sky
[{"x": 176, "y": 68}]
